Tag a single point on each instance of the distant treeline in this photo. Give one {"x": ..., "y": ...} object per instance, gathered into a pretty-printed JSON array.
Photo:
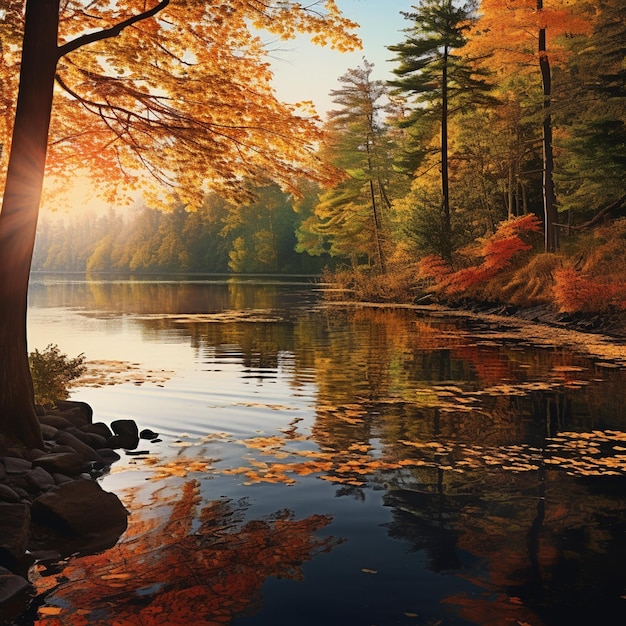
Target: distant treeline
[{"x": 218, "y": 238}]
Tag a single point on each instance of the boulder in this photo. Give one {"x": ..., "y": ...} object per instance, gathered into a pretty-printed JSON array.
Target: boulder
[
  {"x": 56, "y": 421},
  {"x": 14, "y": 532},
  {"x": 99, "y": 428},
  {"x": 78, "y": 408},
  {"x": 15, "y": 465},
  {"x": 14, "y": 594},
  {"x": 91, "y": 439},
  {"x": 68, "y": 463},
  {"x": 7, "y": 494},
  {"x": 126, "y": 434},
  {"x": 38, "y": 479},
  {"x": 81, "y": 508},
  {"x": 86, "y": 451},
  {"x": 48, "y": 432}
]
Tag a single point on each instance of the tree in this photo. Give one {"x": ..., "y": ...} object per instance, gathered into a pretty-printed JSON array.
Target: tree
[
  {"x": 431, "y": 70},
  {"x": 530, "y": 34},
  {"x": 590, "y": 176},
  {"x": 180, "y": 89},
  {"x": 350, "y": 214}
]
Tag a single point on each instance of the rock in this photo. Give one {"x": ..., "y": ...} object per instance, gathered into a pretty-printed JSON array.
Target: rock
[
  {"x": 82, "y": 509},
  {"x": 68, "y": 463},
  {"x": 13, "y": 465},
  {"x": 48, "y": 432},
  {"x": 146, "y": 433},
  {"x": 38, "y": 479},
  {"x": 108, "y": 455},
  {"x": 86, "y": 451},
  {"x": 74, "y": 416},
  {"x": 78, "y": 408},
  {"x": 57, "y": 421},
  {"x": 99, "y": 428},
  {"x": 127, "y": 434},
  {"x": 14, "y": 594},
  {"x": 91, "y": 439},
  {"x": 61, "y": 479},
  {"x": 7, "y": 494},
  {"x": 14, "y": 532}
]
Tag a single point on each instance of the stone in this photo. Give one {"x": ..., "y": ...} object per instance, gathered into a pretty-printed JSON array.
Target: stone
[
  {"x": 68, "y": 463},
  {"x": 78, "y": 408},
  {"x": 91, "y": 439},
  {"x": 7, "y": 494},
  {"x": 99, "y": 428},
  {"x": 56, "y": 421},
  {"x": 48, "y": 432},
  {"x": 81, "y": 508},
  {"x": 14, "y": 532},
  {"x": 127, "y": 434},
  {"x": 146, "y": 433},
  {"x": 14, "y": 465},
  {"x": 86, "y": 451},
  {"x": 61, "y": 479},
  {"x": 38, "y": 479},
  {"x": 108, "y": 455},
  {"x": 14, "y": 595}
]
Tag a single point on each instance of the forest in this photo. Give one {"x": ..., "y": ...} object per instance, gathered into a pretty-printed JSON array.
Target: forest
[{"x": 491, "y": 167}]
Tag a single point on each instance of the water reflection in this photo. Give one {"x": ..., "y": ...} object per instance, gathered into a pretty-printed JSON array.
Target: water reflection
[
  {"x": 501, "y": 463},
  {"x": 183, "y": 561}
]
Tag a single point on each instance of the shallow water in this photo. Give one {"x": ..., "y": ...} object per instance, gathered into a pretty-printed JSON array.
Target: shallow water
[{"x": 329, "y": 464}]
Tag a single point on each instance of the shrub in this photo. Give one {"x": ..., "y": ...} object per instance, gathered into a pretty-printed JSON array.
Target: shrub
[
  {"x": 52, "y": 373},
  {"x": 496, "y": 252},
  {"x": 575, "y": 292}
]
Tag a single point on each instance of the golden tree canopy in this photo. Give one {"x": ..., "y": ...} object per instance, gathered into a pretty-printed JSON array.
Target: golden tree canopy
[{"x": 178, "y": 88}]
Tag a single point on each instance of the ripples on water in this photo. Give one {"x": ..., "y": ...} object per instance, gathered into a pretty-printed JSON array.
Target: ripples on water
[{"x": 342, "y": 465}]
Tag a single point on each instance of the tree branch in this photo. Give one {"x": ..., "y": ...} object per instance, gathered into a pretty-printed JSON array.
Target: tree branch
[{"x": 106, "y": 33}]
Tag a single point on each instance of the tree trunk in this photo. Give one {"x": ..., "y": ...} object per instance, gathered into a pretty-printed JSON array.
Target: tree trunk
[
  {"x": 549, "y": 198},
  {"x": 18, "y": 217},
  {"x": 446, "y": 251}
]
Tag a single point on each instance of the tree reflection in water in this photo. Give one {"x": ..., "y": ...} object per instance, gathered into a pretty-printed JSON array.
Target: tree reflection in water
[
  {"x": 182, "y": 562},
  {"x": 497, "y": 459}
]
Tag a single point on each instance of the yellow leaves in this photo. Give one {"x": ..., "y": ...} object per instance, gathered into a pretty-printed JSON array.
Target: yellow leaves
[{"x": 185, "y": 95}]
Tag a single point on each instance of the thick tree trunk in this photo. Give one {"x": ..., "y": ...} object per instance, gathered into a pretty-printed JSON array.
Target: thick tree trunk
[{"x": 18, "y": 218}]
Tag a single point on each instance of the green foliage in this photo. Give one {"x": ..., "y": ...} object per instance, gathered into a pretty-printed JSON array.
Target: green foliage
[{"x": 52, "y": 373}]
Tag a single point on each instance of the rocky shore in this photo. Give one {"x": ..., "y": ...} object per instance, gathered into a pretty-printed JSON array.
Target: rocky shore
[{"x": 51, "y": 503}]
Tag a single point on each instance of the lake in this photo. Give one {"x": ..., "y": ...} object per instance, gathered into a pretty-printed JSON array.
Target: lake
[{"x": 336, "y": 464}]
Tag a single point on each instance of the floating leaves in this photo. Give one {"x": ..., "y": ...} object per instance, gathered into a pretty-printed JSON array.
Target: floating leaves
[{"x": 101, "y": 373}]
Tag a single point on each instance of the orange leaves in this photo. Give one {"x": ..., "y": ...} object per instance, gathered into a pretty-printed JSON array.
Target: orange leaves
[
  {"x": 184, "y": 563},
  {"x": 184, "y": 95},
  {"x": 497, "y": 252},
  {"x": 509, "y": 30},
  {"x": 575, "y": 292}
]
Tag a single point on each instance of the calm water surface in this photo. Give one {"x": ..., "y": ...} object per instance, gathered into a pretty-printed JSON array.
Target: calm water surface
[{"x": 338, "y": 465}]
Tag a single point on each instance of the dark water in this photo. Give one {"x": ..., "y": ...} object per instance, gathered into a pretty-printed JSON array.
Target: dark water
[{"x": 329, "y": 464}]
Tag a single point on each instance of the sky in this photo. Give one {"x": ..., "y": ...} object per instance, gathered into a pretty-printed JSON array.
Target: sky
[{"x": 304, "y": 71}]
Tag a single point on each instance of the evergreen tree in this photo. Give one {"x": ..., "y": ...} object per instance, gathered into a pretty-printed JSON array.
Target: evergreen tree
[
  {"x": 350, "y": 216},
  {"x": 440, "y": 82}
]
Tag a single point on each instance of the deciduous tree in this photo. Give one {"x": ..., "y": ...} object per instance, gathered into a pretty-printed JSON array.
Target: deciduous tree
[{"x": 180, "y": 89}]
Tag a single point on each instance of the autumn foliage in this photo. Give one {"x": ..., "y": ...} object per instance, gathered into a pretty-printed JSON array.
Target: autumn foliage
[
  {"x": 496, "y": 252},
  {"x": 197, "y": 564}
]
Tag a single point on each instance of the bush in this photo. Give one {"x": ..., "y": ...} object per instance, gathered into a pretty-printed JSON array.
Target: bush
[{"x": 52, "y": 373}]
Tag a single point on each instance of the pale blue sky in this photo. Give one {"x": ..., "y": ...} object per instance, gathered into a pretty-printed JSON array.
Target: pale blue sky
[{"x": 307, "y": 72}]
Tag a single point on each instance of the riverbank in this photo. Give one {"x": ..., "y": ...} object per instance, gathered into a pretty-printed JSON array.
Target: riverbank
[{"x": 51, "y": 503}]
